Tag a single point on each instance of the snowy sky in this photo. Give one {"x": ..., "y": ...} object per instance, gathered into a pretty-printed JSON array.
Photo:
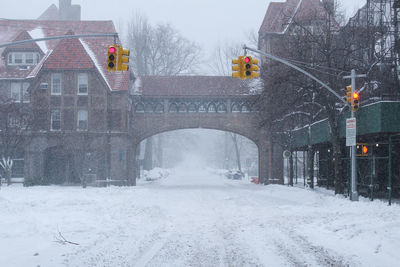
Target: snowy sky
[{"x": 208, "y": 22}]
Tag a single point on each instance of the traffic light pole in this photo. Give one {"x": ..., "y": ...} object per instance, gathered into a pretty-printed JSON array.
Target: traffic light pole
[
  {"x": 353, "y": 76},
  {"x": 115, "y": 35},
  {"x": 298, "y": 69},
  {"x": 353, "y": 148}
]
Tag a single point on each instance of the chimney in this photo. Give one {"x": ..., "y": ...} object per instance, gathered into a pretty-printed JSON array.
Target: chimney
[{"x": 67, "y": 11}]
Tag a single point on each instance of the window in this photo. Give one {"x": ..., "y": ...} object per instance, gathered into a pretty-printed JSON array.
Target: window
[
  {"x": 182, "y": 107},
  {"x": 148, "y": 108},
  {"x": 235, "y": 108},
  {"x": 221, "y": 108},
  {"x": 139, "y": 108},
  {"x": 82, "y": 84},
  {"x": 15, "y": 121},
  {"x": 29, "y": 58},
  {"x": 16, "y": 91},
  {"x": 56, "y": 84},
  {"x": 211, "y": 108},
  {"x": 82, "y": 120},
  {"x": 173, "y": 108},
  {"x": 18, "y": 58},
  {"x": 192, "y": 108},
  {"x": 159, "y": 108},
  {"x": 23, "y": 58},
  {"x": 17, "y": 170},
  {"x": 245, "y": 108},
  {"x": 202, "y": 108},
  {"x": 55, "y": 120},
  {"x": 25, "y": 92}
]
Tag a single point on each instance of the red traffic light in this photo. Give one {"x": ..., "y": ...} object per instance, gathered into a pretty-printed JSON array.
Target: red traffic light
[
  {"x": 111, "y": 49},
  {"x": 247, "y": 59},
  {"x": 356, "y": 95}
]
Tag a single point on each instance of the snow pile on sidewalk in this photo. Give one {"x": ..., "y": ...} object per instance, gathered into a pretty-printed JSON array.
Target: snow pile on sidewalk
[{"x": 155, "y": 174}]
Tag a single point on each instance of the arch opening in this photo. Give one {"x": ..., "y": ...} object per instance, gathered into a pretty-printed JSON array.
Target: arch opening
[{"x": 198, "y": 149}]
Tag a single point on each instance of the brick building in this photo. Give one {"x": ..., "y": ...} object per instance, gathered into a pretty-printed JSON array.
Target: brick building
[{"x": 79, "y": 125}]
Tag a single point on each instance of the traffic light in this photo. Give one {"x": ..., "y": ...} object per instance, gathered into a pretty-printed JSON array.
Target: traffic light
[
  {"x": 251, "y": 67},
  {"x": 238, "y": 68},
  {"x": 123, "y": 59},
  {"x": 355, "y": 101},
  {"x": 112, "y": 57},
  {"x": 254, "y": 68},
  {"x": 362, "y": 150},
  {"x": 348, "y": 93}
]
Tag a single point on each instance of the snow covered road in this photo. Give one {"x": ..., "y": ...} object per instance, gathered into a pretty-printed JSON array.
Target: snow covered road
[{"x": 194, "y": 218}]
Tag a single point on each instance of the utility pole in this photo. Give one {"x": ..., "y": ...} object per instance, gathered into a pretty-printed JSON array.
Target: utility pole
[{"x": 353, "y": 191}]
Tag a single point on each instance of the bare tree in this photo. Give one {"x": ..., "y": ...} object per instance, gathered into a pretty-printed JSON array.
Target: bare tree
[
  {"x": 15, "y": 121},
  {"x": 313, "y": 43},
  {"x": 160, "y": 49},
  {"x": 222, "y": 58}
]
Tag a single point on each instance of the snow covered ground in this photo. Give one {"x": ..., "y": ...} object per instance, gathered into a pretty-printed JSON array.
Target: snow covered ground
[{"x": 194, "y": 218}]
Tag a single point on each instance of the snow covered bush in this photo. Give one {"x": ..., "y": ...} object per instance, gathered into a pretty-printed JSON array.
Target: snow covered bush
[{"x": 7, "y": 164}]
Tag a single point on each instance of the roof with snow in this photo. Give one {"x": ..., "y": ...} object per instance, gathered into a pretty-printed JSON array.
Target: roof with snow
[
  {"x": 279, "y": 15},
  {"x": 83, "y": 53},
  {"x": 188, "y": 86}
]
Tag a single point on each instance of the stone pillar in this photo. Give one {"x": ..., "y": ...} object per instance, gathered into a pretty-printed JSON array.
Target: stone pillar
[
  {"x": 263, "y": 163},
  {"x": 166, "y": 106},
  {"x": 118, "y": 159},
  {"x": 277, "y": 162},
  {"x": 132, "y": 166}
]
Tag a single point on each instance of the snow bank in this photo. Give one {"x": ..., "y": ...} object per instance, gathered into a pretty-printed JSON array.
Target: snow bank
[{"x": 155, "y": 174}]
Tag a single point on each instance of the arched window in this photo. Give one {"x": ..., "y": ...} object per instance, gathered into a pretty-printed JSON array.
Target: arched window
[
  {"x": 192, "y": 108},
  {"x": 245, "y": 108},
  {"x": 173, "y": 108},
  {"x": 182, "y": 107},
  {"x": 211, "y": 108},
  {"x": 139, "y": 108},
  {"x": 159, "y": 108},
  {"x": 148, "y": 108},
  {"x": 221, "y": 108},
  {"x": 202, "y": 108},
  {"x": 235, "y": 108}
]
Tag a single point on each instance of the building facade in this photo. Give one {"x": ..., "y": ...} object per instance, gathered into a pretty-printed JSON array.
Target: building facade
[{"x": 77, "y": 128}]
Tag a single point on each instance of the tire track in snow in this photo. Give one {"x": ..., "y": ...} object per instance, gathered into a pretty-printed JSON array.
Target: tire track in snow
[
  {"x": 146, "y": 258},
  {"x": 301, "y": 252}
]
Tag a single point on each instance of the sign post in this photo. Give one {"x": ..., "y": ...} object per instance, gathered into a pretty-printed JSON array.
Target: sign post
[{"x": 353, "y": 192}]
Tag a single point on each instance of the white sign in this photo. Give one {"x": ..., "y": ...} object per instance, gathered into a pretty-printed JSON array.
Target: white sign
[{"x": 351, "y": 128}]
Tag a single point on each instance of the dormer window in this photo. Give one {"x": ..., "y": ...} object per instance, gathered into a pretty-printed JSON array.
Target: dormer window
[{"x": 23, "y": 58}]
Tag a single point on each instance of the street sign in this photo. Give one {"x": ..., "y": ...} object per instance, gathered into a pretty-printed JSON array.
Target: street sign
[{"x": 351, "y": 126}]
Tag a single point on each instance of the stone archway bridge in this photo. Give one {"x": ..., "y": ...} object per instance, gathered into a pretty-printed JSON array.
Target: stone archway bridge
[{"x": 166, "y": 103}]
